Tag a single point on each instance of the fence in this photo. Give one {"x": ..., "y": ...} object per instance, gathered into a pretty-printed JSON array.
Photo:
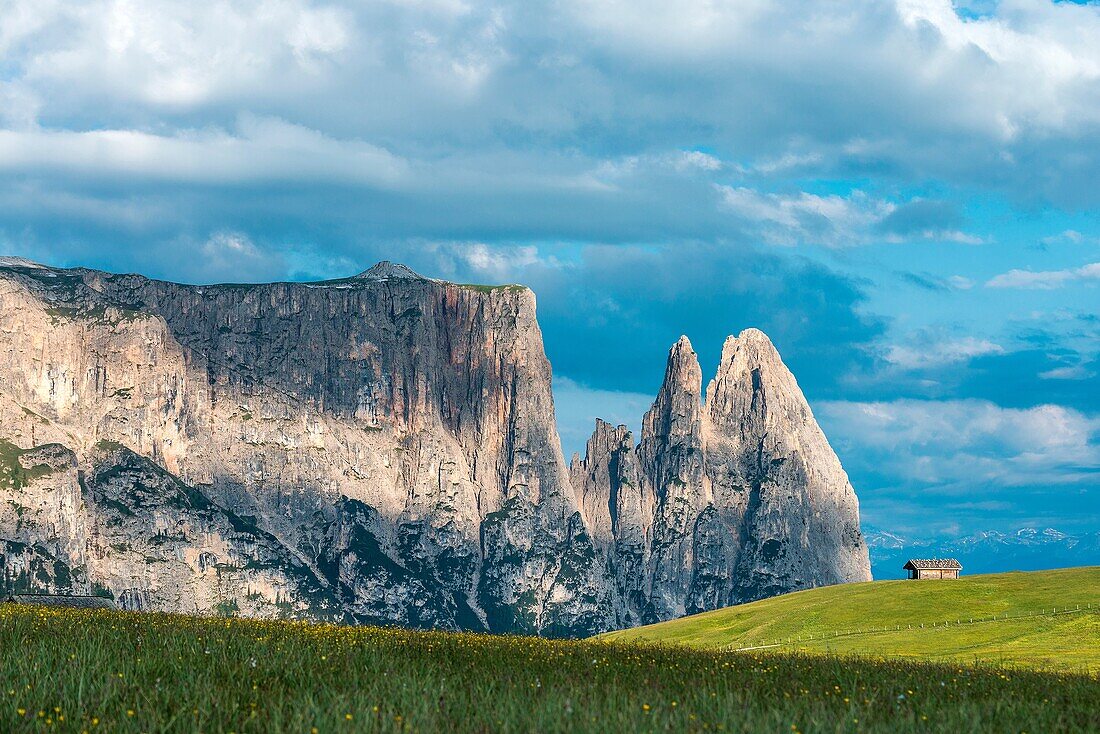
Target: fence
[{"x": 959, "y": 622}]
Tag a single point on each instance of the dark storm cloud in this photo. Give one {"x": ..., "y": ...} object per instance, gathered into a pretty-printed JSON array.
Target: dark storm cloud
[{"x": 609, "y": 321}]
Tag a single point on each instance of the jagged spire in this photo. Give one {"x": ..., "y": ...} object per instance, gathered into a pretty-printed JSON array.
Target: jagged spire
[
  {"x": 751, "y": 379},
  {"x": 753, "y": 344},
  {"x": 682, "y": 373},
  {"x": 677, "y": 407},
  {"x": 607, "y": 470}
]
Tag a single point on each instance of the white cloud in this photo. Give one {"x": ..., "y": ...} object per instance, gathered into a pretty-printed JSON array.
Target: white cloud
[
  {"x": 261, "y": 149},
  {"x": 960, "y": 282},
  {"x": 967, "y": 443},
  {"x": 941, "y": 353},
  {"x": 808, "y": 79},
  {"x": 494, "y": 264},
  {"x": 609, "y": 96},
  {"x": 805, "y": 217},
  {"x": 1045, "y": 279},
  {"x": 1070, "y": 235},
  {"x": 980, "y": 64},
  {"x": 697, "y": 159},
  {"x": 19, "y": 106},
  {"x": 233, "y": 256},
  {"x": 1031, "y": 42},
  {"x": 1075, "y": 372},
  {"x": 784, "y": 163},
  {"x": 832, "y": 220},
  {"x": 171, "y": 52},
  {"x": 222, "y": 257}
]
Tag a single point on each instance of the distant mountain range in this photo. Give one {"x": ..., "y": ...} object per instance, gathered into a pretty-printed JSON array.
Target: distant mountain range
[{"x": 1027, "y": 549}]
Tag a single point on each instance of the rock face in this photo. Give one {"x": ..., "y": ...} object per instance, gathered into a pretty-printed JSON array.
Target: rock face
[
  {"x": 382, "y": 449},
  {"x": 726, "y": 500}
]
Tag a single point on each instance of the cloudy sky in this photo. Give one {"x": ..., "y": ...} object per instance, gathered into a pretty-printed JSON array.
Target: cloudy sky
[{"x": 903, "y": 194}]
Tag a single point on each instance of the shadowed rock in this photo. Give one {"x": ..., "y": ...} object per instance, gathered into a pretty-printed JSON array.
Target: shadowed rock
[{"x": 383, "y": 448}]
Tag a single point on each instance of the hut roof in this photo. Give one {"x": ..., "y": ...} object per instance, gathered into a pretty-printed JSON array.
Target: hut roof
[
  {"x": 935, "y": 564},
  {"x": 61, "y": 600}
]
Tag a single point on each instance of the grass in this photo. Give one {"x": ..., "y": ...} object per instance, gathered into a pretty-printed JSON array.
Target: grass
[
  {"x": 820, "y": 617},
  {"x": 84, "y": 670},
  {"x": 12, "y": 472}
]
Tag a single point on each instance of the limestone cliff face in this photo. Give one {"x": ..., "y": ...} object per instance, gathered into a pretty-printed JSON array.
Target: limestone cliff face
[
  {"x": 393, "y": 434},
  {"x": 739, "y": 496},
  {"x": 376, "y": 449}
]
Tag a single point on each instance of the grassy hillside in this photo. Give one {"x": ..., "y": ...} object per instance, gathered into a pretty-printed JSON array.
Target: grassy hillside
[
  {"x": 66, "y": 670},
  {"x": 820, "y": 620}
]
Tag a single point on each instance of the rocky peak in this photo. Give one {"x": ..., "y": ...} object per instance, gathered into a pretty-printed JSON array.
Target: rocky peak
[
  {"x": 751, "y": 380},
  {"x": 753, "y": 346},
  {"x": 607, "y": 437},
  {"x": 387, "y": 270},
  {"x": 741, "y": 498},
  {"x": 683, "y": 366},
  {"x": 672, "y": 432},
  {"x": 607, "y": 466},
  {"x": 677, "y": 407}
]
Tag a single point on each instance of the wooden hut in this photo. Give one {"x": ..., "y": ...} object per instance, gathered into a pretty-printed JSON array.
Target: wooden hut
[
  {"x": 933, "y": 568},
  {"x": 62, "y": 600}
]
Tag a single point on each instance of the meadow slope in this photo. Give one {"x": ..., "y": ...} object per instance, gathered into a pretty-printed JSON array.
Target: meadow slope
[
  {"x": 927, "y": 620},
  {"x": 77, "y": 671}
]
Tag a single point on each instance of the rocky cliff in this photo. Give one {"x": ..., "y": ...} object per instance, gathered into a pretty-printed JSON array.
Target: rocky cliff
[{"x": 378, "y": 449}]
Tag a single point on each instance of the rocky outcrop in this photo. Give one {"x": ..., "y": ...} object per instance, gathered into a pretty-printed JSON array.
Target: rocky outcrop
[
  {"x": 379, "y": 448},
  {"x": 738, "y": 496},
  {"x": 129, "y": 529},
  {"x": 42, "y": 527}
]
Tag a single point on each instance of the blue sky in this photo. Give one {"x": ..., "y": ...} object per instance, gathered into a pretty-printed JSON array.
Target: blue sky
[{"x": 902, "y": 194}]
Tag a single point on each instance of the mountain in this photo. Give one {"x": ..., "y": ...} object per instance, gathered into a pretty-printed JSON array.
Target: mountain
[
  {"x": 382, "y": 448},
  {"x": 726, "y": 499},
  {"x": 1026, "y": 549}
]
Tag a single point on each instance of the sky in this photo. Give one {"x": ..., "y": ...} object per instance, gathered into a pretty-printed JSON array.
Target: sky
[{"x": 903, "y": 194}]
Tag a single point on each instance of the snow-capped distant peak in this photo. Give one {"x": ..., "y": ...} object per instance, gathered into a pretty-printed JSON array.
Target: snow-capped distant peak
[{"x": 881, "y": 539}]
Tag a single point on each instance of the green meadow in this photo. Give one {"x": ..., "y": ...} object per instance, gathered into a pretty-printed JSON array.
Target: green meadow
[
  {"x": 1044, "y": 620},
  {"x": 88, "y": 671}
]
